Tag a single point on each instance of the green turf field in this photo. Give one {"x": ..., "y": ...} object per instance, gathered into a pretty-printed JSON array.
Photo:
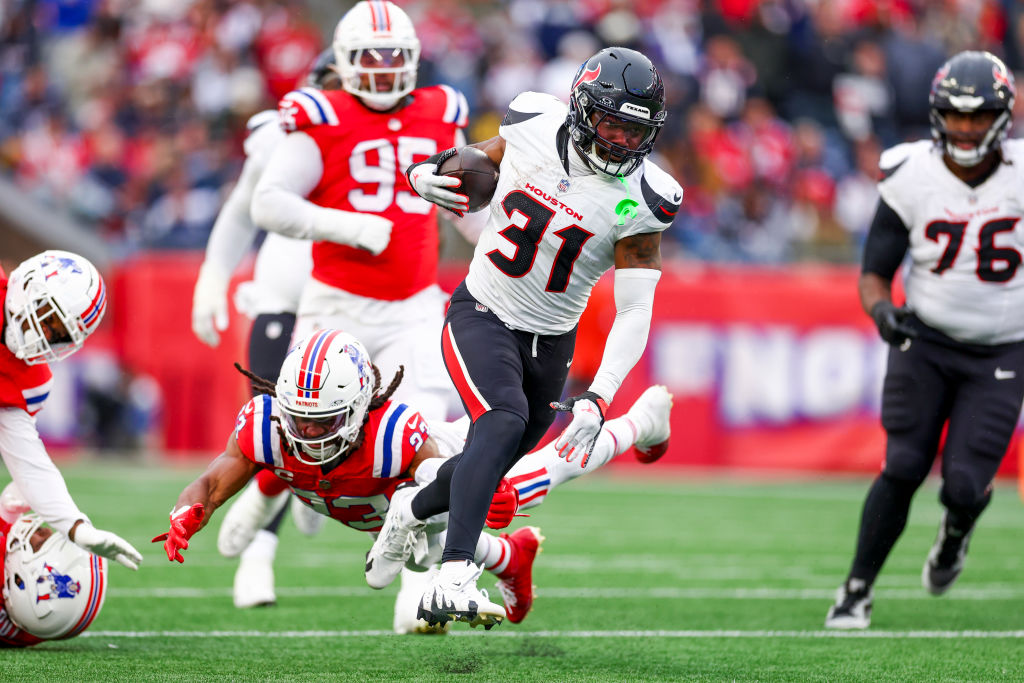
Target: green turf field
[{"x": 640, "y": 580}]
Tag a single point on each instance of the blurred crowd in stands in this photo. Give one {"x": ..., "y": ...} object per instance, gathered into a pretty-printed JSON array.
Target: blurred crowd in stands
[{"x": 129, "y": 114}]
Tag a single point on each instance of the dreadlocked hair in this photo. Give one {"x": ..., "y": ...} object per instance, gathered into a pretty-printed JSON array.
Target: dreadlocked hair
[
  {"x": 260, "y": 385},
  {"x": 265, "y": 386},
  {"x": 379, "y": 399}
]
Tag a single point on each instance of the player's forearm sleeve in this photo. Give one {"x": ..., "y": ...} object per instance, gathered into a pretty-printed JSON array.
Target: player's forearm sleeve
[
  {"x": 886, "y": 244},
  {"x": 33, "y": 472},
  {"x": 634, "y": 305},
  {"x": 233, "y": 231},
  {"x": 279, "y": 201}
]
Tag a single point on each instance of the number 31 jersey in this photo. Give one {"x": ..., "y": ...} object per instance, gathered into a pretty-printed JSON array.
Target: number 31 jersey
[
  {"x": 365, "y": 154},
  {"x": 551, "y": 233},
  {"x": 357, "y": 491},
  {"x": 966, "y": 243}
]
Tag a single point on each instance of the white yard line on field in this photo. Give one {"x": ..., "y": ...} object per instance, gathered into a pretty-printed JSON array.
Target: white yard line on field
[{"x": 570, "y": 634}]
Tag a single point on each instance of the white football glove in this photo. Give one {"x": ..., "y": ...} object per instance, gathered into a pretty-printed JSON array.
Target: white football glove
[
  {"x": 363, "y": 230},
  {"x": 106, "y": 544},
  {"x": 431, "y": 187},
  {"x": 210, "y": 305},
  {"x": 587, "y": 419},
  {"x": 12, "y": 504}
]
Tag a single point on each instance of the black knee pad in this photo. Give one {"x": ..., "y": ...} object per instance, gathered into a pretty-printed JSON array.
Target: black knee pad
[
  {"x": 499, "y": 430},
  {"x": 906, "y": 465},
  {"x": 964, "y": 495},
  {"x": 901, "y": 487}
]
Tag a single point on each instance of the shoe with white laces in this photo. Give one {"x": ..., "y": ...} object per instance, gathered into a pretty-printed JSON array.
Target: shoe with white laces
[
  {"x": 414, "y": 584},
  {"x": 454, "y": 596},
  {"x": 516, "y": 581},
  {"x": 250, "y": 512},
  {"x": 651, "y": 414},
  {"x": 401, "y": 537},
  {"x": 254, "y": 578},
  {"x": 852, "y": 609},
  {"x": 308, "y": 521},
  {"x": 946, "y": 558}
]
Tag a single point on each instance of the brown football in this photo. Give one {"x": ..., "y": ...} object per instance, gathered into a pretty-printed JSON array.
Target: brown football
[{"x": 478, "y": 173}]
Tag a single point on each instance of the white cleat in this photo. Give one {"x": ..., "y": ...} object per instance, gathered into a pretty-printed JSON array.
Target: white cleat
[
  {"x": 401, "y": 538},
  {"x": 455, "y": 597},
  {"x": 254, "y": 578},
  {"x": 651, "y": 414},
  {"x": 414, "y": 584},
  {"x": 250, "y": 512},
  {"x": 307, "y": 520}
]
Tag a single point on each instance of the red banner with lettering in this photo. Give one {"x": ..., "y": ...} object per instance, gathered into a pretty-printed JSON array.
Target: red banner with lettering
[{"x": 770, "y": 368}]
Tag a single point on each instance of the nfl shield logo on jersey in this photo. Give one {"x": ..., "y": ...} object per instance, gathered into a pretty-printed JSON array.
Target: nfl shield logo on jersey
[{"x": 563, "y": 185}]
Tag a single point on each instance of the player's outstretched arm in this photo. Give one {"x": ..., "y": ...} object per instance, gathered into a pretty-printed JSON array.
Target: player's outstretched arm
[
  {"x": 224, "y": 477},
  {"x": 105, "y": 544}
]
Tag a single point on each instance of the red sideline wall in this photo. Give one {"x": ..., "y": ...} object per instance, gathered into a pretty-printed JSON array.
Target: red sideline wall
[{"x": 770, "y": 368}]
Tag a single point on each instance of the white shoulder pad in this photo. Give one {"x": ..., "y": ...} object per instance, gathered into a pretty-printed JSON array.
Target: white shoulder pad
[
  {"x": 535, "y": 102},
  {"x": 662, "y": 197},
  {"x": 530, "y": 107},
  {"x": 260, "y": 118},
  {"x": 263, "y": 138},
  {"x": 893, "y": 158},
  {"x": 1013, "y": 150}
]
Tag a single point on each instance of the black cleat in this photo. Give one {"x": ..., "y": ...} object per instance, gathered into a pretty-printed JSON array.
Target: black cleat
[
  {"x": 945, "y": 559},
  {"x": 852, "y": 609}
]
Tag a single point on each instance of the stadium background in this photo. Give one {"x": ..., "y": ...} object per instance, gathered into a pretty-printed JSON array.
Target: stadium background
[{"x": 120, "y": 135}]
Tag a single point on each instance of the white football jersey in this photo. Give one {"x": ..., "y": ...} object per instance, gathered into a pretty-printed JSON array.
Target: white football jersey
[
  {"x": 551, "y": 233},
  {"x": 283, "y": 264},
  {"x": 965, "y": 243}
]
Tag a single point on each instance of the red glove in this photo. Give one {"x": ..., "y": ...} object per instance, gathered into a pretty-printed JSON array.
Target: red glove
[
  {"x": 184, "y": 522},
  {"x": 504, "y": 505}
]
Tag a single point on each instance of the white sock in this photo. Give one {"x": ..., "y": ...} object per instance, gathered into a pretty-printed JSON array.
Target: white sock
[
  {"x": 452, "y": 572},
  {"x": 623, "y": 432},
  {"x": 263, "y": 546},
  {"x": 537, "y": 473},
  {"x": 492, "y": 553}
]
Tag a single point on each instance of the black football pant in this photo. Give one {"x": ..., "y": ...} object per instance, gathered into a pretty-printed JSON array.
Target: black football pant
[
  {"x": 269, "y": 340},
  {"x": 506, "y": 379},
  {"x": 974, "y": 391}
]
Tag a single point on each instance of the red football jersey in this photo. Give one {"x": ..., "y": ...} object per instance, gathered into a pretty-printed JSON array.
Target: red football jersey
[
  {"x": 365, "y": 154},
  {"x": 21, "y": 385},
  {"x": 358, "y": 490}
]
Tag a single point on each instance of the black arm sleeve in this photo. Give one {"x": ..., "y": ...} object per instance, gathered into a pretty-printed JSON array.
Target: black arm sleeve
[{"x": 887, "y": 243}]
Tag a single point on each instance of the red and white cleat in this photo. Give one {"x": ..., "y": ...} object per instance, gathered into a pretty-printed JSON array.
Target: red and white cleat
[
  {"x": 651, "y": 414},
  {"x": 516, "y": 584}
]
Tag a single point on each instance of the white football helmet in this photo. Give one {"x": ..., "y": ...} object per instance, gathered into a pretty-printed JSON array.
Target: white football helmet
[
  {"x": 324, "y": 391},
  {"x": 56, "y": 591},
  {"x": 50, "y": 290},
  {"x": 373, "y": 43}
]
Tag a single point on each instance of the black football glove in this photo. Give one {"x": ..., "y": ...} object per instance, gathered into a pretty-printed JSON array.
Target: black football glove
[{"x": 891, "y": 323}]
